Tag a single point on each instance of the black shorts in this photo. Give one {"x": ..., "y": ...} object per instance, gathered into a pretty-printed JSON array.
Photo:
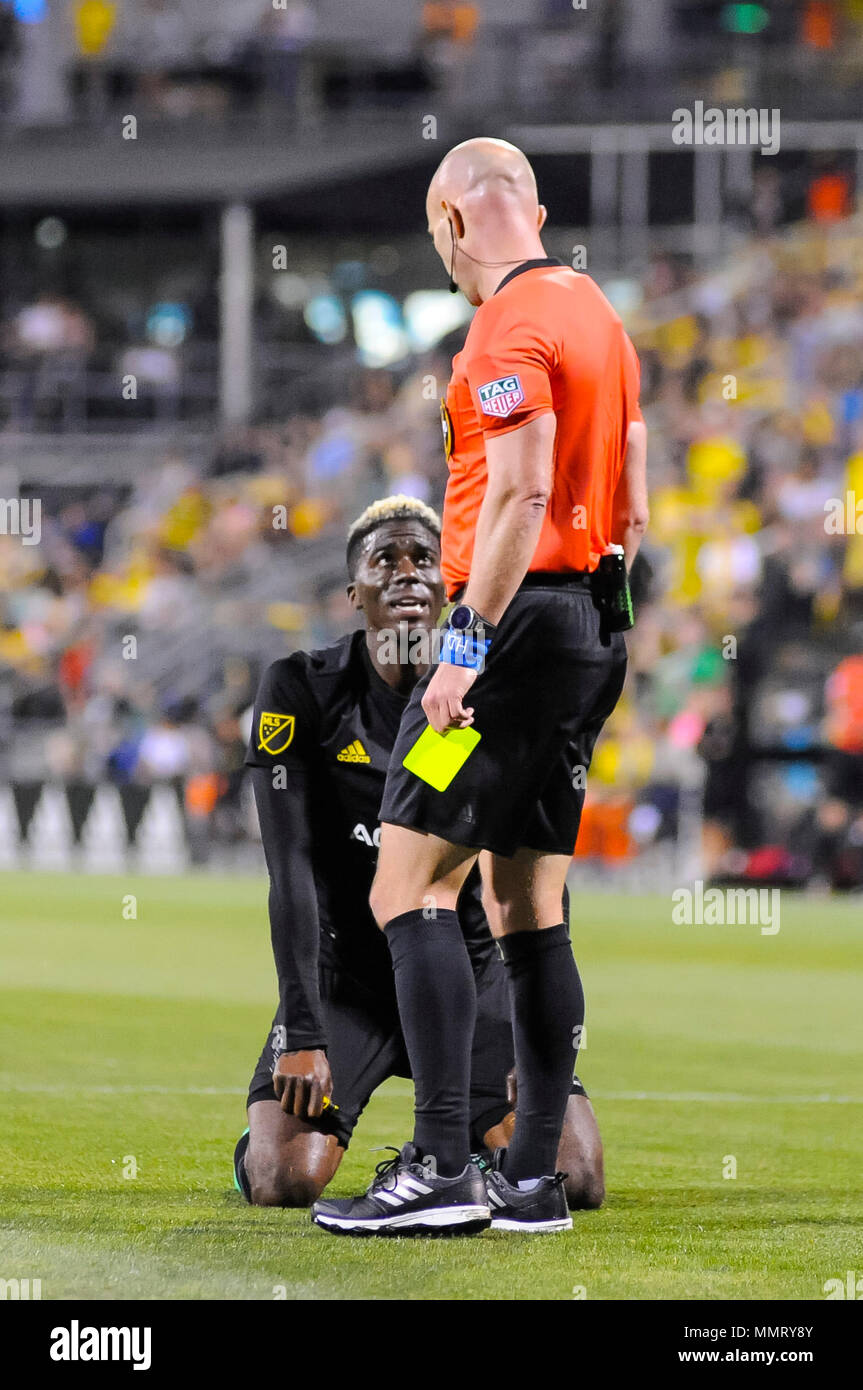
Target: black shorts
[
  {"x": 551, "y": 679},
  {"x": 365, "y": 1047}
]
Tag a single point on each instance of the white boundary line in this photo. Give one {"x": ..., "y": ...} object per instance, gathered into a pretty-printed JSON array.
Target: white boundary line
[
  {"x": 669, "y": 1097},
  {"x": 729, "y": 1097},
  {"x": 39, "y": 1088}
]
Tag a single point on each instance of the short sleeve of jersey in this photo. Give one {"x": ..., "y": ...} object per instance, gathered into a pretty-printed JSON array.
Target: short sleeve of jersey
[
  {"x": 285, "y": 727},
  {"x": 509, "y": 371},
  {"x": 632, "y": 380}
]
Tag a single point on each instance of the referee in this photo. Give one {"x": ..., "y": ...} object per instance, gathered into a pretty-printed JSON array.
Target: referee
[{"x": 547, "y": 475}]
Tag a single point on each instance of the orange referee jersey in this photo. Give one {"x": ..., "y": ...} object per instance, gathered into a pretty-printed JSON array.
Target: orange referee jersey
[{"x": 548, "y": 339}]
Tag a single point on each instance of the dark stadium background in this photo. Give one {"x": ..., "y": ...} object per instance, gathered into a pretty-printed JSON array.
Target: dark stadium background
[{"x": 256, "y": 259}]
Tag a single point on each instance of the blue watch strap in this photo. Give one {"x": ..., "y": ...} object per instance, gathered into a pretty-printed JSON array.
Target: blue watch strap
[{"x": 464, "y": 649}]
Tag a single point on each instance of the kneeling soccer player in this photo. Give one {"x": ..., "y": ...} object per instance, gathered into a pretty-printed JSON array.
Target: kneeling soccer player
[{"x": 324, "y": 726}]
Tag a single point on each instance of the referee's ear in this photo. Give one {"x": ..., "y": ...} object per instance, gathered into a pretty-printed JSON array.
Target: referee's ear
[{"x": 457, "y": 219}]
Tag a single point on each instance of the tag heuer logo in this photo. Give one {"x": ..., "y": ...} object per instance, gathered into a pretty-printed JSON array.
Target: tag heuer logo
[{"x": 501, "y": 397}]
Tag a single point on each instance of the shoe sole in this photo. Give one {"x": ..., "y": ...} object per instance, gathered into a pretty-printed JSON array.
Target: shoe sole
[
  {"x": 460, "y": 1221},
  {"x": 508, "y": 1223}
]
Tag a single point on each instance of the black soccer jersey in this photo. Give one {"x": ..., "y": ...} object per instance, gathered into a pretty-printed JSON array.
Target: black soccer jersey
[{"x": 324, "y": 727}]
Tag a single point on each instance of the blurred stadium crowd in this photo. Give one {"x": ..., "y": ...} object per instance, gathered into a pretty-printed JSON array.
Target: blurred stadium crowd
[
  {"x": 132, "y": 637},
  {"x": 181, "y": 59}
]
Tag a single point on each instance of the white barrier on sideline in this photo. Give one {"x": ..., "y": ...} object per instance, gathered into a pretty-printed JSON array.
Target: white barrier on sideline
[
  {"x": 43, "y": 839},
  {"x": 104, "y": 841}
]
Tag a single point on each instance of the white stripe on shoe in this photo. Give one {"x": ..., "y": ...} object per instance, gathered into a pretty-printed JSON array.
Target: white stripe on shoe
[
  {"x": 435, "y": 1218},
  {"x": 506, "y": 1223},
  {"x": 404, "y": 1191}
]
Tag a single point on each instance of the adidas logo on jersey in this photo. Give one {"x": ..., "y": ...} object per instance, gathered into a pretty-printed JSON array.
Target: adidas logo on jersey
[
  {"x": 354, "y": 753},
  {"x": 360, "y": 833}
]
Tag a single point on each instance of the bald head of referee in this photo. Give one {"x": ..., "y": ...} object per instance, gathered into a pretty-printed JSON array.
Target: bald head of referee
[{"x": 484, "y": 214}]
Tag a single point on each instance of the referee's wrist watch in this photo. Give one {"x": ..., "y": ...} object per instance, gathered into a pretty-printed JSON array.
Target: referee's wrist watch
[
  {"x": 466, "y": 638},
  {"x": 463, "y": 618}
]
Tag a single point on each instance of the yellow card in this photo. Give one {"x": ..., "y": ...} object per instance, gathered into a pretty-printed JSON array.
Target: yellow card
[{"x": 436, "y": 758}]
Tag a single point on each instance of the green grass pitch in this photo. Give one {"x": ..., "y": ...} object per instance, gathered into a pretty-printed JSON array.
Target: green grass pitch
[{"x": 126, "y": 1045}]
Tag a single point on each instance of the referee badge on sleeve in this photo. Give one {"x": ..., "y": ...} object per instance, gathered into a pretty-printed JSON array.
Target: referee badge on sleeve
[
  {"x": 275, "y": 732},
  {"x": 501, "y": 397}
]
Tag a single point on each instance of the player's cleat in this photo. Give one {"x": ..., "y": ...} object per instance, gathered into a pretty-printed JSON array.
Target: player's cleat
[
  {"x": 538, "y": 1209},
  {"x": 405, "y": 1198},
  {"x": 241, "y": 1182}
]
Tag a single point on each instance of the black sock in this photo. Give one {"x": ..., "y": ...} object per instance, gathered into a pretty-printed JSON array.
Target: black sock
[
  {"x": 437, "y": 1005},
  {"x": 547, "y": 1008}
]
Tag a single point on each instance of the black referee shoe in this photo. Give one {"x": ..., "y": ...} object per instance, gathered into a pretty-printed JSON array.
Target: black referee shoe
[
  {"x": 405, "y": 1199},
  {"x": 540, "y": 1209}
]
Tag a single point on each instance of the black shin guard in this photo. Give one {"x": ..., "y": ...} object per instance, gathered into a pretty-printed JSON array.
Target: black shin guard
[
  {"x": 437, "y": 1006},
  {"x": 547, "y": 1011}
]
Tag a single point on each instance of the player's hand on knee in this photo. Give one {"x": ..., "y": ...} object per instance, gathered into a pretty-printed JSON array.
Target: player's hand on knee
[{"x": 301, "y": 1080}]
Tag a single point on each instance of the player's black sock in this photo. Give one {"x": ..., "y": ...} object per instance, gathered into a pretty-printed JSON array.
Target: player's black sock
[
  {"x": 437, "y": 1005},
  {"x": 547, "y": 1007}
]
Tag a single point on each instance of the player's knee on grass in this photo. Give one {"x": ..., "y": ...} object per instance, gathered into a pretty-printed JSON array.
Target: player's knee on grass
[
  {"x": 584, "y": 1188},
  {"x": 288, "y": 1162},
  {"x": 580, "y": 1156},
  {"x": 272, "y": 1186}
]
